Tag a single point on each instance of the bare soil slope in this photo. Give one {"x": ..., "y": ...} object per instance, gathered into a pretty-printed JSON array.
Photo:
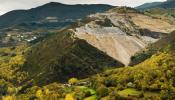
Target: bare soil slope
[{"x": 122, "y": 34}]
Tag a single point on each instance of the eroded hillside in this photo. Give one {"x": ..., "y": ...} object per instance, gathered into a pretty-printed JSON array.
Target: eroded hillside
[{"x": 121, "y": 32}]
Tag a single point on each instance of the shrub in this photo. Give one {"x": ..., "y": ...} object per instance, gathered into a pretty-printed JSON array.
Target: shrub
[
  {"x": 72, "y": 80},
  {"x": 69, "y": 97},
  {"x": 11, "y": 90},
  {"x": 118, "y": 97},
  {"x": 102, "y": 91},
  {"x": 7, "y": 98},
  {"x": 109, "y": 82},
  {"x": 165, "y": 95},
  {"x": 39, "y": 93}
]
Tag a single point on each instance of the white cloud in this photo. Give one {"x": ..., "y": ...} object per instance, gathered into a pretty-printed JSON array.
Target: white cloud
[{"x": 8, "y": 5}]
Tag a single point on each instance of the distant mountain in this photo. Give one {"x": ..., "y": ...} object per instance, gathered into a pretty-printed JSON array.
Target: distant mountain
[
  {"x": 148, "y": 5},
  {"x": 166, "y": 4},
  {"x": 50, "y": 13}
]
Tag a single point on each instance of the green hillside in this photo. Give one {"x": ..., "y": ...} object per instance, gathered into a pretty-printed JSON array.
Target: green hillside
[
  {"x": 148, "y": 5},
  {"x": 164, "y": 14},
  {"x": 63, "y": 56},
  {"x": 166, "y": 4}
]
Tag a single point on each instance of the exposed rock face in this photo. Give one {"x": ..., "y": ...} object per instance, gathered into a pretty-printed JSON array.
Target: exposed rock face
[{"x": 121, "y": 35}]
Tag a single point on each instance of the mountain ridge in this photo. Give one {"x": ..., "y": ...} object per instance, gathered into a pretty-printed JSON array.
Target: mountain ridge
[
  {"x": 57, "y": 10},
  {"x": 166, "y": 4}
]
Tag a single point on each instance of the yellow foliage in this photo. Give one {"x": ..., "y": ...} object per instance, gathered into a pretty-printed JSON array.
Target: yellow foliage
[
  {"x": 19, "y": 60},
  {"x": 69, "y": 96},
  {"x": 11, "y": 90},
  {"x": 39, "y": 93},
  {"x": 158, "y": 60},
  {"x": 8, "y": 98},
  {"x": 73, "y": 81},
  {"x": 46, "y": 91}
]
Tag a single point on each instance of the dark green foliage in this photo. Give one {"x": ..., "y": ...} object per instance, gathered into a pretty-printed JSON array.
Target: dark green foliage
[
  {"x": 102, "y": 91},
  {"x": 106, "y": 23},
  {"x": 165, "y": 44},
  {"x": 3, "y": 89},
  {"x": 141, "y": 56}
]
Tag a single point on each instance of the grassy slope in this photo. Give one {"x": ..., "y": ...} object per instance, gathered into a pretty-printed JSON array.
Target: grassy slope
[{"x": 164, "y": 14}]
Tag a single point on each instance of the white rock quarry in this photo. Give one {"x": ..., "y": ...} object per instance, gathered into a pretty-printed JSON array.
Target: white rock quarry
[{"x": 114, "y": 40}]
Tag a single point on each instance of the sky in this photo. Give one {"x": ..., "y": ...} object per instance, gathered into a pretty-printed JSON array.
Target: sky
[{"x": 8, "y": 5}]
